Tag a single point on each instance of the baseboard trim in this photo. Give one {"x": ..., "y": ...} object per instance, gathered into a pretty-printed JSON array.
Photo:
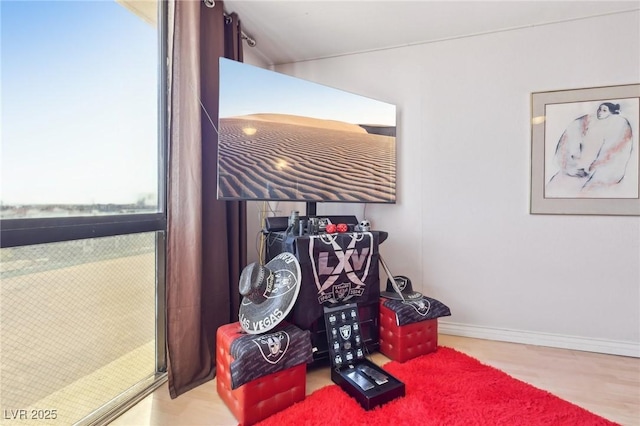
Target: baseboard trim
[{"x": 611, "y": 347}]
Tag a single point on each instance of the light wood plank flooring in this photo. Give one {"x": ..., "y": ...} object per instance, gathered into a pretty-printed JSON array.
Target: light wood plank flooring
[{"x": 607, "y": 385}]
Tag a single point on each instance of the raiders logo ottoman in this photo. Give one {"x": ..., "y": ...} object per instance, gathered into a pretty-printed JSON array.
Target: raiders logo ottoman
[
  {"x": 259, "y": 375},
  {"x": 408, "y": 320},
  {"x": 409, "y": 328}
]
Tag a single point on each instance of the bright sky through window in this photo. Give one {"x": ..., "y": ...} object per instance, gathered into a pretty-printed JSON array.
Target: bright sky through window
[{"x": 79, "y": 103}]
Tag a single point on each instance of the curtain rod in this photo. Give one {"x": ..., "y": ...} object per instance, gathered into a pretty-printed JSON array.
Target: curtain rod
[{"x": 251, "y": 42}]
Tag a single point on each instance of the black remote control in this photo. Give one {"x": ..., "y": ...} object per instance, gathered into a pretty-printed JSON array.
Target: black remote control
[{"x": 377, "y": 376}]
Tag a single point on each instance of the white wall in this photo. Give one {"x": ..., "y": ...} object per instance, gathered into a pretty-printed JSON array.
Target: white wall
[{"x": 461, "y": 228}]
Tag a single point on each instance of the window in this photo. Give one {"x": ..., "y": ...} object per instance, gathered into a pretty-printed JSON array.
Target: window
[{"x": 82, "y": 207}]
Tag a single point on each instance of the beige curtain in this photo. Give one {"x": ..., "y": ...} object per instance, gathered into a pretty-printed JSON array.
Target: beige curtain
[{"x": 206, "y": 238}]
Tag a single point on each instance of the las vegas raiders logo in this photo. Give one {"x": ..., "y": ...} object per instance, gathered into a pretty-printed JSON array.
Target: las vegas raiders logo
[
  {"x": 345, "y": 331},
  {"x": 422, "y": 306},
  {"x": 401, "y": 282},
  {"x": 340, "y": 291},
  {"x": 273, "y": 346},
  {"x": 340, "y": 273}
]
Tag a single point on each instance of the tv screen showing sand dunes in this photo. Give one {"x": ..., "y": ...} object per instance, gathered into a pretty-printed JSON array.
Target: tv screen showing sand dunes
[{"x": 285, "y": 138}]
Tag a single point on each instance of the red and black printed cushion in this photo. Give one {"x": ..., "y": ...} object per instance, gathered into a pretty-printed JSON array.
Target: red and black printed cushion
[
  {"x": 257, "y": 355},
  {"x": 411, "y": 311}
]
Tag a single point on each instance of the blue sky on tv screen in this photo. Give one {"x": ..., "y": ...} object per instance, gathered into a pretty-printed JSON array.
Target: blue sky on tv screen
[{"x": 247, "y": 89}]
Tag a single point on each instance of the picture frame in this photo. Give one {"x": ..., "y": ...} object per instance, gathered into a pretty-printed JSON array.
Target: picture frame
[{"x": 585, "y": 156}]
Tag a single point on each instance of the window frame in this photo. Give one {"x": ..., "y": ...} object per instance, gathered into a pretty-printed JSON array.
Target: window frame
[
  {"x": 24, "y": 232},
  {"x": 32, "y": 231}
]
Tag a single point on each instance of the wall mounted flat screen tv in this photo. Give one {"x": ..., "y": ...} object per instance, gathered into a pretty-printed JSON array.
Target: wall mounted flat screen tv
[{"x": 289, "y": 139}]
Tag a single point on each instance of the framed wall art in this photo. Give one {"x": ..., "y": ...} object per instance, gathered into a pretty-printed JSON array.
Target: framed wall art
[{"x": 585, "y": 157}]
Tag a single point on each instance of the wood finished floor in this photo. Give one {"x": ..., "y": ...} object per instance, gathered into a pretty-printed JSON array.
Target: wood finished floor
[{"x": 606, "y": 385}]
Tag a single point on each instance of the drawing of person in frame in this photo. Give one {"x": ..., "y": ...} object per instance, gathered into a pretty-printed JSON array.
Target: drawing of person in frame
[{"x": 596, "y": 154}]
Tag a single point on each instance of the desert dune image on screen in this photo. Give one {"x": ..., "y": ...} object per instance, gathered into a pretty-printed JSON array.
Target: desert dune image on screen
[{"x": 285, "y": 138}]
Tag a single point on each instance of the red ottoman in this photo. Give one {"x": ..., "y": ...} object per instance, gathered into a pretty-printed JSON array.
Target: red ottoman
[
  {"x": 260, "y": 397},
  {"x": 402, "y": 343}
]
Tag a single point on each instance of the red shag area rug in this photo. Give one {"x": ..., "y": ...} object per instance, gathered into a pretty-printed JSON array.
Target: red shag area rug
[{"x": 445, "y": 387}]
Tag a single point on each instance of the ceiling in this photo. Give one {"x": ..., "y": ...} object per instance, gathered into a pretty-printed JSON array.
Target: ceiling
[{"x": 294, "y": 31}]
